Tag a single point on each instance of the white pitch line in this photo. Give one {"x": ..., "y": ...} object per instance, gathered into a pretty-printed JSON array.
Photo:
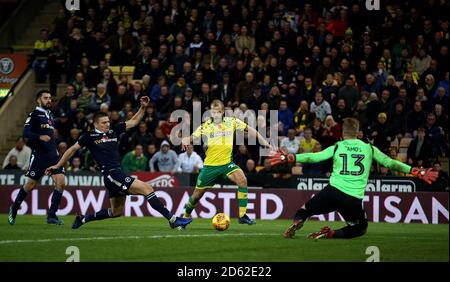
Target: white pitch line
[{"x": 5, "y": 242}]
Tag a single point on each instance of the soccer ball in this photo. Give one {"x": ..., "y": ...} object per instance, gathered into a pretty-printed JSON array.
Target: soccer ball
[{"x": 221, "y": 222}]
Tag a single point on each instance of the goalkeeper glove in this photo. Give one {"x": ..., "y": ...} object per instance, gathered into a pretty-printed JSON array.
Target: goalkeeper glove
[
  {"x": 281, "y": 157},
  {"x": 426, "y": 174}
]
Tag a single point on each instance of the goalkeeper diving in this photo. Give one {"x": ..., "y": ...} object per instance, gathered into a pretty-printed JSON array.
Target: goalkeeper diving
[{"x": 352, "y": 159}]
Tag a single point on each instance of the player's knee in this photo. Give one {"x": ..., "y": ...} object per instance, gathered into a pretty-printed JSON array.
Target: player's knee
[
  {"x": 149, "y": 189},
  {"x": 242, "y": 181},
  {"x": 60, "y": 186},
  {"x": 198, "y": 194},
  {"x": 29, "y": 186}
]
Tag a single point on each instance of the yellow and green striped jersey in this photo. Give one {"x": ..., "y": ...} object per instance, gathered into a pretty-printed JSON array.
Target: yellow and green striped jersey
[{"x": 219, "y": 138}]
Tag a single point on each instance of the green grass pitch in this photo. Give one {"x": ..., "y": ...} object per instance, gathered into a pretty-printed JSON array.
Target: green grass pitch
[{"x": 151, "y": 239}]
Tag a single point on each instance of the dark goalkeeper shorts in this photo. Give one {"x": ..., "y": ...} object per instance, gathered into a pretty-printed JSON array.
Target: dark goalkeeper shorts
[
  {"x": 331, "y": 199},
  {"x": 117, "y": 182}
]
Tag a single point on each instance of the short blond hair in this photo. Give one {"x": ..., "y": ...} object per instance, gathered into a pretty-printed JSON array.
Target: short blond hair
[
  {"x": 350, "y": 128},
  {"x": 218, "y": 103}
]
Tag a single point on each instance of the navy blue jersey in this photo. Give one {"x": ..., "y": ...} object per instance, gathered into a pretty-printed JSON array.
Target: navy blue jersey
[
  {"x": 40, "y": 122},
  {"x": 104, "y": 146}
]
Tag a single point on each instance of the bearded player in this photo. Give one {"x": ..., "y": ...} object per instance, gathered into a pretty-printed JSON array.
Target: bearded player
[
  {"x": 219, "y": 132},
  {"x": 352, "y": 159},
  {"x": 39, "y": 131}
]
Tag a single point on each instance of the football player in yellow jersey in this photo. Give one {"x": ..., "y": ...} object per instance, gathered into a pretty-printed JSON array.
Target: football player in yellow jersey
[{"x": 219, "y": 132}]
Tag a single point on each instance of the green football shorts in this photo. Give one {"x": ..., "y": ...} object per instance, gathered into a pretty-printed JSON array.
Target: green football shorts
[{"x": 209, "y": 174}]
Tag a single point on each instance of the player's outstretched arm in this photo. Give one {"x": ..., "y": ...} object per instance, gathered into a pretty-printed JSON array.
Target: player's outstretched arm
[
  {"x": 134, "y": 121},
  {"x": 426, "y": 174},
  {"x": 253, "y": 132},
  {"x": 188, "y": 140},
  {"x": 67, "y": 155},
  {"x": 281, "y": 157}
]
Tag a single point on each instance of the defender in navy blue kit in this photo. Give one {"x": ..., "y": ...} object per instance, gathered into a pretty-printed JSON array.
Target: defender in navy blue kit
[
  {"x": 39, "y": 131},
  {"x": 103, "y": 144}
]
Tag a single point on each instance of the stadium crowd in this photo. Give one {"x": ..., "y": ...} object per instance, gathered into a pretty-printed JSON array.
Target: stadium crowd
[{"x": 315, "y": 62}]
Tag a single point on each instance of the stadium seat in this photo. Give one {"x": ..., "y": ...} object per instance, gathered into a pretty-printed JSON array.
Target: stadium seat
[
  {"x": 115, "y": 70},
  {"x": 128, "y": 70},
  {"x": 403, "y": 157},
  {"x": 404, "y": 144},
  {"x": 395, "y": 144}
]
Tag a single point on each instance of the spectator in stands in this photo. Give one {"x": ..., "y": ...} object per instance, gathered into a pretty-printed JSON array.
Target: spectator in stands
[
  {"x": 84, "y": 100},
  {"x": 341, "y": 111},
  {"x": 385, "y": 104},
  {"x": 250, "y": 166},
  {"x": 135, "y": 160},
  {"x": 190, "y": 161},
  {"x": 22, "y": 153},
  {"x": 434, "y": 134},
  {"x": 166, "y": 158},
  {"x": 444, "y": 84},
  {"x": 307, "y": 143},
  {"x": 245, "y": 40},
  {"x": 441, "y": 184},
  {"x": 41, "y": 50},
  {"x": 274, "y": 98},
  {"x": 291, "y": 144},
  {"x": 381, "y": 133},
  {"x": 62, "y": 148},
  {"x": 57, "y": 61},
  {"x": 419, "y": 149},
  {"x": 442, "y": 124},
  {"x": 245, "y": 89},
  {"x": 241, "y": 156},
  {"x": 12, "y": 163},
  {"x": 441, "y": 99},
  {"x": 87, "y": 71},
  {"x": 109, "y": 82},
  {"x": 270, "y": 173},
  {"x": 416, "y": 118},
  {"x": 330, "y": 88},
  {"x": 303, "y": 117},
  {"x": 293, "y": 97},
  {"x": 75, "y": 165},
  {"x": 421, "y": 61},
  {"x": 63, "y": 126},
  {"x": 143, "y": 63},
  {"x": 317, "y": 129},
  {"x": 76, "y": 49},
  {"x": 285, "y": 117},
  {"x": 64, "y": 102},
  {"x": 398, "y": 118},
  {"x": 350, "y": 94},
  {"x": 151, "y": 151},
  {"x": 122, "y": 48},
  {"x": 99, "y": 98},
  {"x": 74, "y": 136},
  {"x": 320, "y": 107},
  {"x": 332, "y": 132}
]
